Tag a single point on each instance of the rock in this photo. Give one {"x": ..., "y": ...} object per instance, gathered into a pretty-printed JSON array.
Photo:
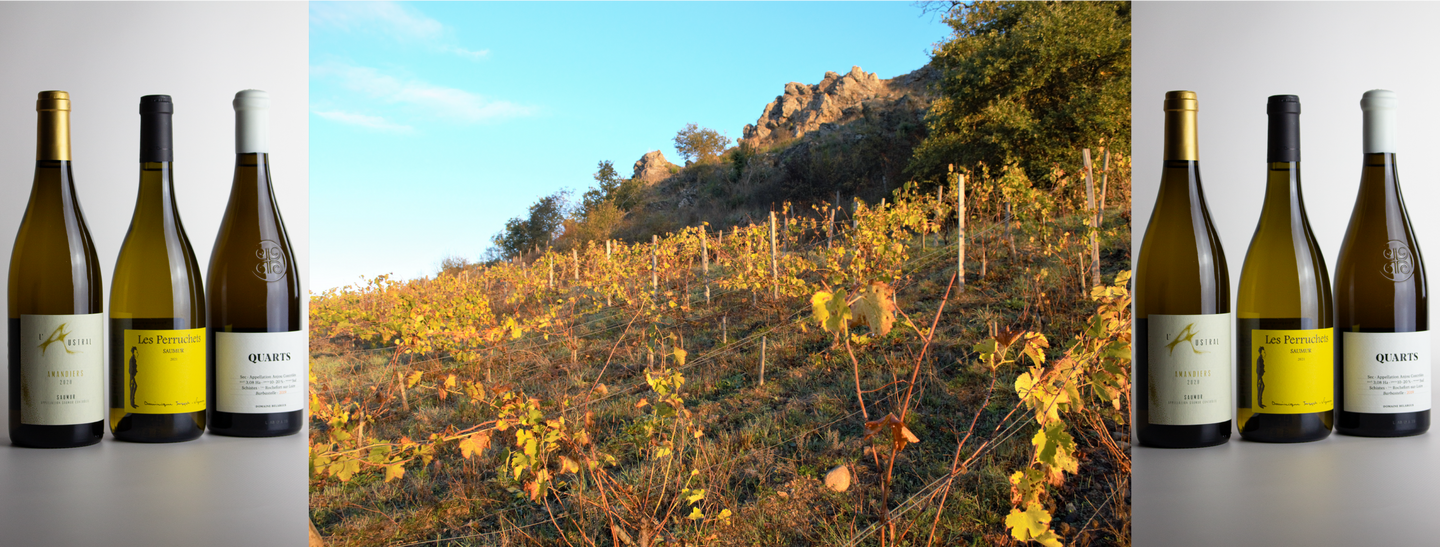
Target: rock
[
  {"x": 838, "y": 479},
  {"x": 837, "y": 98},
  {"x": 653, "y": 167}
]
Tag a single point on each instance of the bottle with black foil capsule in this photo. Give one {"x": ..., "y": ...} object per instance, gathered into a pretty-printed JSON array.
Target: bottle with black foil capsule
[
  {"x": 1182, "y": 303},
  {"x": 157, "y": 305},
  {"x": 57, "y": 328},
  {"x": 260, "y": 353},
  {"x": 1285, "y": 350},
  {"x": 1381, "y": 298}
]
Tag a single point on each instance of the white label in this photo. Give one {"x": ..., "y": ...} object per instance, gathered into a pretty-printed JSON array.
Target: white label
[
  {"x": 1386, "y": 372},
  {"x": 62, "y": 369},
  {"x": 261, "y": 372},
  {"x": 1189, "y": 369}
]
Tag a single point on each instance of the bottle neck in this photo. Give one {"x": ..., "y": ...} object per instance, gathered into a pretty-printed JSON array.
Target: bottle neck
[
  {"x": 1282, "y": 191},
  {"x": 156, "y": 201},
  {"x": 53, "y": 136},
  {"x": 252, "y": 178},
  {"x": 1181, "y": 142}
]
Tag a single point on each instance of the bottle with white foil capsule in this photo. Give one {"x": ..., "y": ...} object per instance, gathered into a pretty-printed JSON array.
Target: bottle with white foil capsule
[
  {"x": 259, "y": 362},
  {"x": 1381, "y": 300}
]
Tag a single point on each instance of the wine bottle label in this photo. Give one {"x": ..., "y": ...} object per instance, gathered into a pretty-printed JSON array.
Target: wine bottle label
[
  {"x": 1386, "y": 372},
  {"x": 1292, "y": 371},
  {"x": 1189, "y": 369},
  {"x": 261, "y": 372},
  {"x": 62, "y": 369},
  {"x": 164, "y": 371}
]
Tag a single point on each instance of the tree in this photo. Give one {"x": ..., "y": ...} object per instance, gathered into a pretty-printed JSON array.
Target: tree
[
  {"x": 542, "y": 226},
  {"x": 697, "y": 144},
  {"x": 622, "y": 193},
  {"x": 1028, "y": 84}
]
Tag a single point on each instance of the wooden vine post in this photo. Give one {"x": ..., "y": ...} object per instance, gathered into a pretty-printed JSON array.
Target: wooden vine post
[
  {"x": 960, "y": 233},
  {"x": 1009, "y": 219},
  {"x": 1104, "y": 186},
  {"x": 762, "y": 360},
  {"x": 830, "y": 229},
  {"x": 655, "y": 263},
  {"x": 705, "y": 262},
  {"x": 774, "y": 259},
  {"x": 1094, "y": 220}
]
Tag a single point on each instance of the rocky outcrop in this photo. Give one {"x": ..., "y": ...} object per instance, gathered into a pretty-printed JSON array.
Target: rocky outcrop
[
  {"x": 653, "y": 167},
  {"x": 836, "y": 99}
]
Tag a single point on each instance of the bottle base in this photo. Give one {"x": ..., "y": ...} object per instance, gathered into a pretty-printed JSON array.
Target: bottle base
[
  {"x": 1287, "y": 428},
  {"x": 1183, "y": 436},
  {"x": 280, "y": 424},
  {"x": 159, "y": 428},
  {"x": 56, "y": 436},
  {"x": 1405, "y": 424}
]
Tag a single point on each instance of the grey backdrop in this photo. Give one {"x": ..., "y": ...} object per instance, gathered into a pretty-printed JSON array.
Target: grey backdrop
[
  {"x": 1341, "y": 490},
  {"x": 214, "y": 491}
]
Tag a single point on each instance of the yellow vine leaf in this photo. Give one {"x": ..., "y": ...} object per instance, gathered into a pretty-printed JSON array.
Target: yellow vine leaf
[
  {"x": 876, "y": 307},
  {"x": 474, "y": 444},
  {"x": 680, "y": 357},
  {"x": 413, "y": 378},
  {"x": 1033, "y": 524},
  {"x": 394, "y": 471}
]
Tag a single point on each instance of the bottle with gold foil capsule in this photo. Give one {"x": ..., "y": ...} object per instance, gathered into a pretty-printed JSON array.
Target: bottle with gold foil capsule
[
  {"x": 1182, "y": 302},
  {"x": 1381, "y": 298},
  {"x": 57, "y": 328},
  {"x": 1285, "y": 333},
  {"x": 158, "y": 343}
]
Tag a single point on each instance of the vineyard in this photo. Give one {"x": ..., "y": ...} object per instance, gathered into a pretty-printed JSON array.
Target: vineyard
[{"x": 823, "y": 378}]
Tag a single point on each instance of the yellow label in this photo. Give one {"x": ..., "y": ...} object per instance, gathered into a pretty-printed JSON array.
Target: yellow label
[
  {"x": 1292, "y": 371},
  {"x": 164, "y": 371}
]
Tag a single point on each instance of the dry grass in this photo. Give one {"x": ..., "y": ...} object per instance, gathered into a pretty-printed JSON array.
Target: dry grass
[{"x": 766, "y": 448}]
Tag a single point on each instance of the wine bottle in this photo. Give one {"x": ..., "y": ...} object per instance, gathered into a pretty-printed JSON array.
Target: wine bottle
[
  {"x": 157, "y": 305},
  {"x": 260, "y": 353},
  {"x": 1182, "y": 302},
  {"x": 1381, "y": 303},
  {"x": 1284, "y": 331},
  {"x": 57, "y": 359}
]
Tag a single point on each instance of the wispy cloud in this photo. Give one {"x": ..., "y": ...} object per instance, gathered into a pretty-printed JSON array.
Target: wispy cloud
[
  {"x": 402, "y": 23},
  {"x": 363, "y": 120},
  {"x": 422, "y": 97}
]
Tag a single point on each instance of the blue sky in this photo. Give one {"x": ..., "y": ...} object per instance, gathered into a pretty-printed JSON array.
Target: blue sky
[{"x": 433, "y": 123}]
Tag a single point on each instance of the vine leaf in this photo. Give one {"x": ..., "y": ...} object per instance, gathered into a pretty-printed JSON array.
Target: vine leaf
[
  {"x": 899, "y": 434},
  {"x": 474, "y": 444},
  {"x": 1055, "y": 448},
  {"x": 1032, "y": 525},
  {"x": 831, "y": 310},
  {"x": 876, "y": 307},
  {"x": 394, "y": 471}
]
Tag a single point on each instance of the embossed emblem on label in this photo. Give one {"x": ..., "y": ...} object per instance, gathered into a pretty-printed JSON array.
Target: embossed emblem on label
[{"x": 272, "y": 261}]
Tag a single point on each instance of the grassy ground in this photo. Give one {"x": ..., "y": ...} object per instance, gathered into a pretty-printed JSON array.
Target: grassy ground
[{"x": 766, "y": 449}]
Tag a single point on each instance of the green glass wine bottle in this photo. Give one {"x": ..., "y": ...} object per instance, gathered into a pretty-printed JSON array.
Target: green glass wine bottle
[
  {"x": 57, "y": 328},
  {"x": 1182, "y": 303},
  {"x": 1381, "y": 300},
  {"x": 259, "y": 368},
  {"x": 1285, "y": 349},
  {"x": 157, "y": 305}
]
